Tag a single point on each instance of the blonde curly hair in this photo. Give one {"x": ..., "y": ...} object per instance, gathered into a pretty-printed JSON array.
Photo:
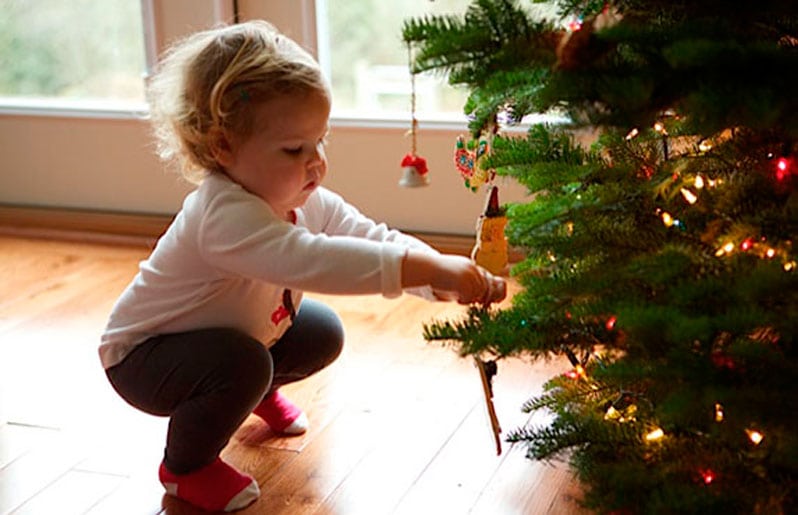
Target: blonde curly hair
[{"x": 207, "y": 84}]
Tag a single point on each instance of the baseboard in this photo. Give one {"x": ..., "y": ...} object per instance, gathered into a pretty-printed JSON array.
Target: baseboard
[
  {"x": 82, "y": 225},
  {"x": 137, "y": 229}
]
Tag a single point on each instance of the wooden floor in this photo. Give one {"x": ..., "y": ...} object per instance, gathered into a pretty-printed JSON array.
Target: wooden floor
[{"x": 398, "y": 426}]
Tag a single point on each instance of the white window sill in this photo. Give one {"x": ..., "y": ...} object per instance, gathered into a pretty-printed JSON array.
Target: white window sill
[
  {"x": 127, "y": 110},
  {"x": 60, "y": 108},
  {"x": 427, "y": 121}
]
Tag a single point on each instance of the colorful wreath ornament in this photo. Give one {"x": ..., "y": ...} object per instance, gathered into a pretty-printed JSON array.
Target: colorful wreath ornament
[{"x": 466, "y": 159}]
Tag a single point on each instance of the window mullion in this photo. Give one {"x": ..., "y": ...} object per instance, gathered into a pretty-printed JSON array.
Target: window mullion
[{"x": 153, "y": 38}]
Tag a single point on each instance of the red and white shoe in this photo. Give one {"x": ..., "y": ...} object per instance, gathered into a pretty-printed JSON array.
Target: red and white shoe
[
  {"x": 282, "y": 415},
  {"x": 215, "y": 487}
]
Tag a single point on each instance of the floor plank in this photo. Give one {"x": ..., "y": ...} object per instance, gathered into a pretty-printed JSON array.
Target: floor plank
[
  {"x": 74, "y": 493},
  {"x": 411, "y": 429},
  {"x": 137, "y": 495},
  {"x": 29, "y": 475},
  {"x": 457, "y": 474},
  {"x": 16, "y": 440}
]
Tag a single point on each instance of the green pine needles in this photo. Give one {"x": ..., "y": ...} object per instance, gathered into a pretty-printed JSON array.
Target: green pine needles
[{"x": 660, "y": 239}]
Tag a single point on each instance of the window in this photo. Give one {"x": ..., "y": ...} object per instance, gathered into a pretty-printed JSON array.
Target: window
[
  {"x": 361, "y": 49},
  {"x": 83, "y": 51}
]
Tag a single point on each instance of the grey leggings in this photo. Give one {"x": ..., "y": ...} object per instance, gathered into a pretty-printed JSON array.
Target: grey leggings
[{"x": 209, "y": 380}]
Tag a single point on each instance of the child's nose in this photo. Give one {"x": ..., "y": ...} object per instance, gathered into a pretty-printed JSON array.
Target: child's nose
[{"x": 317, "y": 156}]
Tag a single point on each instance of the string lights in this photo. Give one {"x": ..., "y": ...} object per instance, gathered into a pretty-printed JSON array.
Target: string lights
[
  {"x": 689, "y": 196},
  {"x": 699, "y": 182},
  {"x": 718, "y": 413},
  {"x": 783, "y": 168},
  {"x": 655, "y": 435},
  {"x": 758, "y": 247},
  {"x": 688, "y": 190},
  {"x": 755, "y": 436}
]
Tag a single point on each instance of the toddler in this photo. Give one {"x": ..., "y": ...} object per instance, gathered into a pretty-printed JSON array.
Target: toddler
[{"x": 214, "y": 323}]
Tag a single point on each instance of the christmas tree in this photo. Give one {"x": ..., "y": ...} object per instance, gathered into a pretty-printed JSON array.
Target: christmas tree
[{"x": 659, "y": 238}]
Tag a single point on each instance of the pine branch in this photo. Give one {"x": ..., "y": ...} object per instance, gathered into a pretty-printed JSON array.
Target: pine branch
[
  {"x": 571, "y": 433},
  {"x": 495, "y": 49}
]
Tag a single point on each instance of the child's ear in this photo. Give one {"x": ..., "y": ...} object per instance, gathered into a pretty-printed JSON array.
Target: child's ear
[{"x": 222, "y": 148}]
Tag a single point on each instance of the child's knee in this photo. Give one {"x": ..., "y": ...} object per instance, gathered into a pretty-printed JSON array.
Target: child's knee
[
  {"x": 246, "y": 360},
  {"x": 321, "y": 325},
  {"x": 331, "y": 336}
]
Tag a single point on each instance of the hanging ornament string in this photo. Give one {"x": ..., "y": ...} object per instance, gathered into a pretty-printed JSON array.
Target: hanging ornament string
[
  {"x": 414, "y": 167},
  {"x": 413, "y": 119}
]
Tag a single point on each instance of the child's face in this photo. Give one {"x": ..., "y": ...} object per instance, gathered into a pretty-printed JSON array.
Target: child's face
[{"x": 283, "y": 160}]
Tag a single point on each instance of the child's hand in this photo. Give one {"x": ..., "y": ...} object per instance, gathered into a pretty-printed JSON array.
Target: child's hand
[
  {"x": 453, "y": 278},
  {"x": 497, "y": 293},
  {"x": 461, "y": 280},
  {"x": 497, "y": 288}
]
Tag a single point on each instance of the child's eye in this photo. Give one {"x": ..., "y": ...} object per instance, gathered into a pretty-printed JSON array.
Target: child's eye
[{"x": 293, "y": 151}]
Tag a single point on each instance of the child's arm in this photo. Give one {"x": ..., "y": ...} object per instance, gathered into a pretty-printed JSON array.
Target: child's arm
[
  {"x": 337, "y": 217},
  {"x": 238, "y": 234},
  {"x": 423, "y": 268},
  {"x": 454, "y": 277}
]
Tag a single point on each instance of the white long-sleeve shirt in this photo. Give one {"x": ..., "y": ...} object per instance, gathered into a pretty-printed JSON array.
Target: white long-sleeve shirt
[{"x": 227, "y": 259}]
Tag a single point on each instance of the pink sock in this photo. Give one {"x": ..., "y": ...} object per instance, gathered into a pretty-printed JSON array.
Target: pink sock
[
  {"x": 215, "y": 487},
  {"x": 281, "y": 414}
]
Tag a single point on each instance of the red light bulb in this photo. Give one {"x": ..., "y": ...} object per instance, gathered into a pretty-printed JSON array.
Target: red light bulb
[
  {"x": 575, "y": 25},
  {"x": 782, "y": 168}
]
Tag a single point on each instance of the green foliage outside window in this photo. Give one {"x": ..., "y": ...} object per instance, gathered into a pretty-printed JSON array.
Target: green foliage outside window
[{"x": 81, "y": 49}]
